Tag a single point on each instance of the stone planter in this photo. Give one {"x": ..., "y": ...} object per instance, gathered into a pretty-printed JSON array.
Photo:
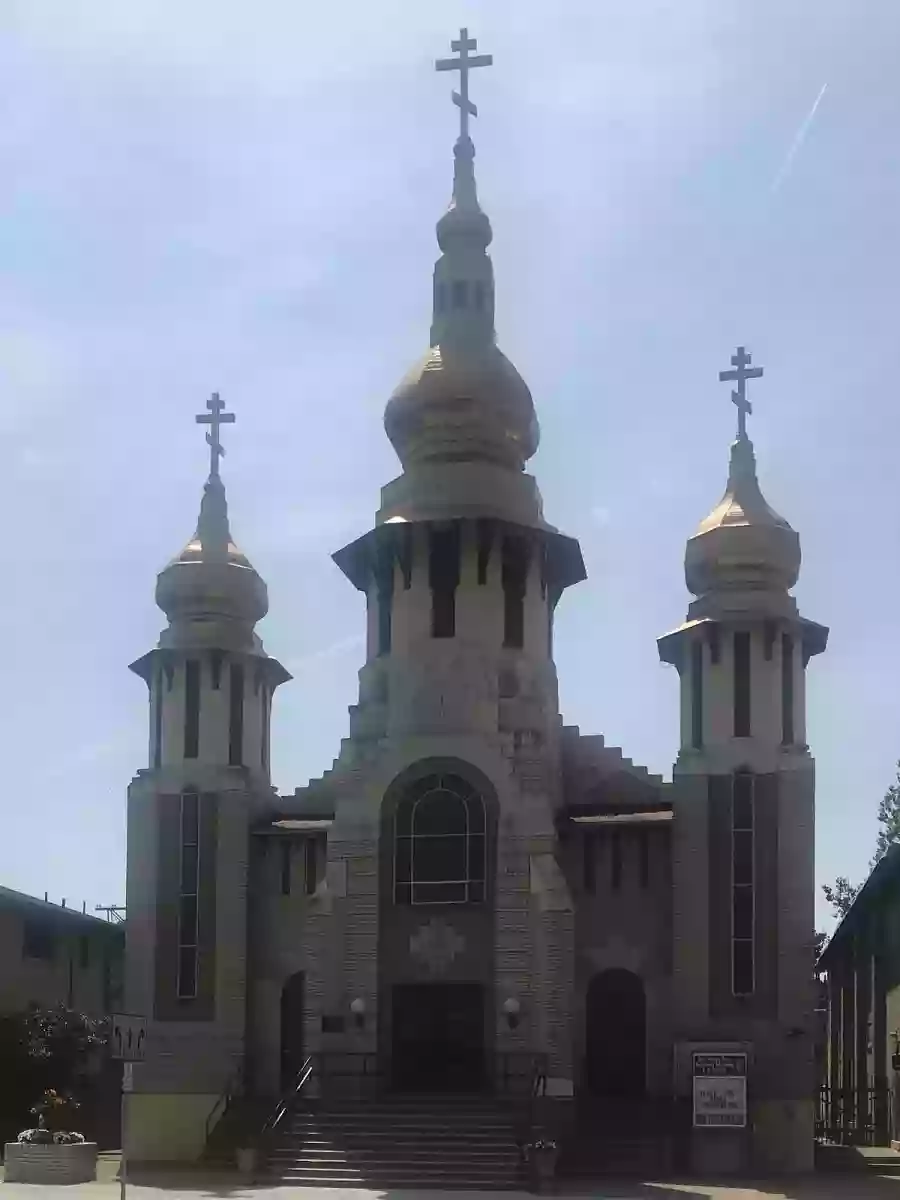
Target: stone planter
[
  {"x": 245, "y": 1160},
  {"x": 25, "y": 1163},
  {"x": 542, "y": 1168}
]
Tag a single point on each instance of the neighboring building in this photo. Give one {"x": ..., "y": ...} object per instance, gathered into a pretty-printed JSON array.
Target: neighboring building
[
  {"x": 473, "y": 882},
  {"x": 54, "y": 955},
  {"x": 861, "y": 965}
]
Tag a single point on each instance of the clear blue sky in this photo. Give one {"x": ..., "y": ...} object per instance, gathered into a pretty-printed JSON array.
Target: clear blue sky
[{"x": 242, "y": 197}]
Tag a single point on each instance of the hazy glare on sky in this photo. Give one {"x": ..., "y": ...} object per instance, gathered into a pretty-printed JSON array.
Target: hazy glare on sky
[{"x": 209, "y": 195}]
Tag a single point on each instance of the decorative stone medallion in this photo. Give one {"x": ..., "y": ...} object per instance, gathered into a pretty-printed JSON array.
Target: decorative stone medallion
[{"x": 436, "y": 945}]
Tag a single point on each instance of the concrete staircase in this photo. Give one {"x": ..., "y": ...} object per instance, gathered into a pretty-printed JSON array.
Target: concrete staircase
[{"x": 413, "y": 1142}]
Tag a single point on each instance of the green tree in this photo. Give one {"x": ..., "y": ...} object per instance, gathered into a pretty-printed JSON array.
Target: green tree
[
  {"x": 840, "y": 895},
  {"x": 888, "y": 819}
]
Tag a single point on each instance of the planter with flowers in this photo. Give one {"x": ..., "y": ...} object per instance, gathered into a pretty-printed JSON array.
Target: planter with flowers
[
  {"x": 542, "y": 1155},
  {"x": 51, "y": 1153}
]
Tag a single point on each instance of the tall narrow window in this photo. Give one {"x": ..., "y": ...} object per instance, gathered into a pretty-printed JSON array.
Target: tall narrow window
[
  {"x": 787, "y": 689},
  {"x": 742, "y": 884},
  {"x": 459, "y": 293},
  {"x": 310, "y": 865},
  {"x": 588, "y": 847},
  {"x": 515, "y": 574},
  {"x": 265, "y": 710},
  {"x": 236, "y": 717},
  {"x": 615, "y": 844},
  {"x": 697, "y": 695},
  {"x": 191, "y": 708},
  {"x": 443, "y": 578},
  {"x": 385, "y": 602},
  {"x": 742, "y": 684},
  {"x": 188, "y": 913},
  {"x": 440, "y": 843},
  {"x": 285, "y": 865},
  {"x": 158, "y": 719}
]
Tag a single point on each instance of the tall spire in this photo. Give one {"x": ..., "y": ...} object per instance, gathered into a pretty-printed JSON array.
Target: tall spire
[
  {"x": 464, "y": 400},
  {"x": 463, "y": 276}
]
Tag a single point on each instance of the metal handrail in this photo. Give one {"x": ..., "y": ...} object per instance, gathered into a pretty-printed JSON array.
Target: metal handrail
[
  {"x": 288, "y": 1095},
  {"x": 233, "y": 1087}
]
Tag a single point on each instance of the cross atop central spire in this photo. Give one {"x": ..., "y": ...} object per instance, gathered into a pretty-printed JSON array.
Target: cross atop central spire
[
  {"x": 741, "y": 373},
  {"x": 464, "y": 64},
  {"x": 216, "y": 418}
]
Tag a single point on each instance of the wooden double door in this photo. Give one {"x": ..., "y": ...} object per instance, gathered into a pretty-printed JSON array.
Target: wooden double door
[{"x": 437, "y": 1037}]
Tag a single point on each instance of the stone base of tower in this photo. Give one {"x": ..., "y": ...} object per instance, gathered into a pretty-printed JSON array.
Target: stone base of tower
[
  {"x": 783, "y": 1137},
  {"x": 165, "y": 1127}
]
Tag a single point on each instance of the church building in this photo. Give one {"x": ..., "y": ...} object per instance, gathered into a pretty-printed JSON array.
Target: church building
[{"x": 475, "y": 887}]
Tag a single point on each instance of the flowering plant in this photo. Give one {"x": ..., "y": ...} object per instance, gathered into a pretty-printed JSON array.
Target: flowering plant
[
  {"x": 545, "y": 1144},
  {"x": 53, "y": 1112}
]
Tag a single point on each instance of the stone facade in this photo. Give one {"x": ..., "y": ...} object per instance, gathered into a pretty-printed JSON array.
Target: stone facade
[{"x": 474, "y": 886}]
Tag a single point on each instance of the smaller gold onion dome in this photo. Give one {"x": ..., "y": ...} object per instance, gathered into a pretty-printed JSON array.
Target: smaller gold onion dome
[
  {"x": 743, "y": 544},
  {"x": 211, "y": 578}
]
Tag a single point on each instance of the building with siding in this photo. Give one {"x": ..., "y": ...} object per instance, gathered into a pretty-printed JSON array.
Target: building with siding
[
  {"x": 861, "y": 970},
  {"x": 474, "y": 882},
  {"x": 50, "y": 955}
]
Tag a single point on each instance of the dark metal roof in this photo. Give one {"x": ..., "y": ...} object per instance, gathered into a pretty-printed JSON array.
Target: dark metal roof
[
  {"x": 32, "y": 906},
  {"x": 885, "y": 871}
]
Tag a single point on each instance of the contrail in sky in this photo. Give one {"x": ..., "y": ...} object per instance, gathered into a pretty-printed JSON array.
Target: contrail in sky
[{"x": 799, "y": 139}]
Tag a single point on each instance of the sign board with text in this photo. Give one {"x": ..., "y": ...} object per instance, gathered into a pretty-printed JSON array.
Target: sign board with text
[
  {"x": 720, "y": 1090},
  {"x": 128, "y": 1037}
]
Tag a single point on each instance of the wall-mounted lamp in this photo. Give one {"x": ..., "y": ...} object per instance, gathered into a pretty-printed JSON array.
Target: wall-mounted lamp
[
  {"x": 358, "y": 1008},
  {"x": 511, "y": 1010}
]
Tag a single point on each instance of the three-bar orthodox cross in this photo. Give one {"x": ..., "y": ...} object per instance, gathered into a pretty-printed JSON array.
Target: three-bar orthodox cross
[
  {"x": 464, "y": 64},
  {"x": 741, "y": 373},
  {"x": 215, "y": 418}
]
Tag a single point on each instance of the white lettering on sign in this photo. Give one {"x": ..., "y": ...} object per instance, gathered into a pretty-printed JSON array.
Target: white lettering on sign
[{"x": 720, "y": 1090}]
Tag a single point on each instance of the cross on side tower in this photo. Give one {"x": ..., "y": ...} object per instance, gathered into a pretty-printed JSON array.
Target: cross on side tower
[
  {"x": 215, "y": 418},
  {"x": 741, "y": 373},
  {"x": 464, "y": 64}
]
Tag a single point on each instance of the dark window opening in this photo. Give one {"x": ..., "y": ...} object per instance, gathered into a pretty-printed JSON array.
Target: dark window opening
[
  {"x": 216, "y": 669},
  {"x": 440, "y": 843},
  {"x": 484, "y": 550},
  {"x": 236, "y": 717},
  {"x": 588, "y": 848},
  {"x": 189, "y": 886},
  {"x": 459, "y": 294},
  {"x": 191, "y": 708},
  {"x": 644, "y": 857},
  {"x": 38, "y": 941},
  {"x": 310, "y": 865},
  {"x": 158, "y": 720},
  {"x": 84, "y": 952},
  {"x": 286, "y": 849},
  {"x": 385, "y": 602},
  {"x": 615, "y": 846},
  {"x": 443, "y": 577},
  {"x": 515, "y": 574},
  {"x": 265, "y": 711},
  {"x": 742, "y": 684},
  {"x": 697, "y": 695},
  {"x": 787, "y": 689}
]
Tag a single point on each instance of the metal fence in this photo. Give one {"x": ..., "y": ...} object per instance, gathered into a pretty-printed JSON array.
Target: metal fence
[{"x": 851, "y": 1116}]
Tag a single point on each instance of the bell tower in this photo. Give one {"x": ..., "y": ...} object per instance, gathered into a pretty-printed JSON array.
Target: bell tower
[
  {"x": 210, "y": 685},
  {"x": 744, "y": 802}
]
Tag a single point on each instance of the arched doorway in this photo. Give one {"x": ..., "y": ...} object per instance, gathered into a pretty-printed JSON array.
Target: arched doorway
[
  {"x": 616, "y": 1035},
  {"x": 292, "y": 1005}
]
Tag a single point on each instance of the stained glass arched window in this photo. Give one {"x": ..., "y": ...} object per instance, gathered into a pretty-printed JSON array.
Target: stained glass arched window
[{"x": 439, "y": 843}]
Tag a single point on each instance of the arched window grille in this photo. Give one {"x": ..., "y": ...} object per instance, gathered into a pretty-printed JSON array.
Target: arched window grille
[{"x": 440, "y": 843}]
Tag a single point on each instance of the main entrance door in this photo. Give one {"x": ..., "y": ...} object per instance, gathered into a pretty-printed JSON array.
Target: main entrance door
[
  {"x": 438, "y": 1037},
  {"x": 616, "y": 1035}
]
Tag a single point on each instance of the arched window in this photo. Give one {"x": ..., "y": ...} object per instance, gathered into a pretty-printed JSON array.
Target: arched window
[{"x": 439, "y": 843}]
